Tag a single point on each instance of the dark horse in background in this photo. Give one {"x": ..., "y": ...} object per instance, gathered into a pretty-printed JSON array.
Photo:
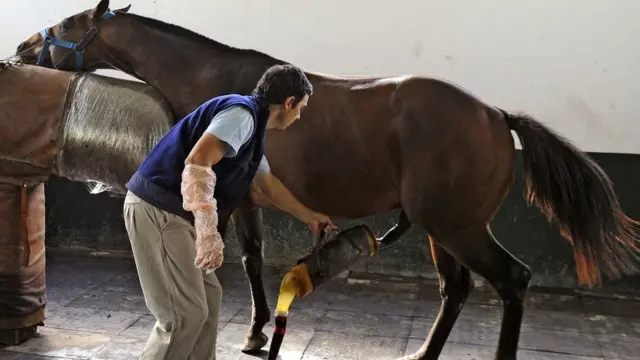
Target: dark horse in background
[
  {"x": 367, "y": 145},
  {"x": 76, "y": 125}
]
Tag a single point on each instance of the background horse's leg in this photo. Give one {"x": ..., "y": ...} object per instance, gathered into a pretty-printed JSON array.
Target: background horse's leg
[
  {"x": 455, "y": 286},
  {"x": 223, "y": 224},
  {"x": 248, "y": 222},
  {"x": 395, "y": 233},
  {"x": 479, "y": 251}
]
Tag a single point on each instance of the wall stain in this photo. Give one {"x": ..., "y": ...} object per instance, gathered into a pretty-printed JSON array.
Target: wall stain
[{"x": 417, "y": 49}]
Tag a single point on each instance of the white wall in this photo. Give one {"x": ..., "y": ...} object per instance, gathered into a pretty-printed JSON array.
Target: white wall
[{"x": 572, "y": 64}]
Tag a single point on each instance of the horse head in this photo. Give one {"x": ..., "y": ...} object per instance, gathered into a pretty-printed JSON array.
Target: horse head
[{"x": 74, "y": 43}]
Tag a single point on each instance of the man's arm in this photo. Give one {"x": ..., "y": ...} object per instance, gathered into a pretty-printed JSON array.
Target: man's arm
[
  {"x": 207, "y": 152},
  {"x": 199, "y": 180},
  {"x": 278, "y": 195},
  {"x": 197, "y": 187}
]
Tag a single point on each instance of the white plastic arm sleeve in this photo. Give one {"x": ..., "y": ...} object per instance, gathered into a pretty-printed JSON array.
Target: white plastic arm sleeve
[{"x": 198, "y": 183}]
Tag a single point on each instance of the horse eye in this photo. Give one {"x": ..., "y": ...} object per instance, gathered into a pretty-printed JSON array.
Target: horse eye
[{"x": 66, "y": 24}]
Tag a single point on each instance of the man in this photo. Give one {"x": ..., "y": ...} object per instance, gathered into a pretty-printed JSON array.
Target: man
[{"x": 203, "y": 166}]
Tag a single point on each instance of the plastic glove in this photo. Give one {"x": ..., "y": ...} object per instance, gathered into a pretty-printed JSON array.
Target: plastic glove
[
  {"x": 198, "y": 183},
  {"x": 209, "y": 252}
]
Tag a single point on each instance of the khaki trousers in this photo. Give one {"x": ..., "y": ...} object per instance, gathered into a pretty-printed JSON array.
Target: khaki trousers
[{"x": 184, "y": 300}]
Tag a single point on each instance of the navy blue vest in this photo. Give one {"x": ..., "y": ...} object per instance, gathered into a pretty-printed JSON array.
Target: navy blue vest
[{"x": 158, "y": 178}]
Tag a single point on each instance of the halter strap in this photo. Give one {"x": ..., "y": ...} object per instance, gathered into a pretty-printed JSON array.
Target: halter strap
[{"x": 78, "y": 48}]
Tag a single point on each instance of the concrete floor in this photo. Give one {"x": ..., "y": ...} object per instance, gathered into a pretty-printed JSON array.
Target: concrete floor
[{"x": 96, "y": 311}]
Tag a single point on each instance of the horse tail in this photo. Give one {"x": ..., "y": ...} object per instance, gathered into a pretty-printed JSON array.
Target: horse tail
[{"x": 576, "y": 194}]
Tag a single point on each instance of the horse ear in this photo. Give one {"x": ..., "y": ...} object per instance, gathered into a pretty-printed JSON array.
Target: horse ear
[
  {"x": 124, "y": 9},
  {"x": 100, "y": 9}
]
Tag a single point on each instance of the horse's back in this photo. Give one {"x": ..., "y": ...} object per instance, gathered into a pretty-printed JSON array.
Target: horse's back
[
  {"x": 32, "y": 101},
  {"x": 116, "y": 120}
]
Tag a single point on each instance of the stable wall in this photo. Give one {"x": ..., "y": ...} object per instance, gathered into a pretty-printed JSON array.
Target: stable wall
[{"x": 572, "y": 65}]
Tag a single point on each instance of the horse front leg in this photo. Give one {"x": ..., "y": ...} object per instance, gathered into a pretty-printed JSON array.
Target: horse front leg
[{"x": 248, "y": 223}]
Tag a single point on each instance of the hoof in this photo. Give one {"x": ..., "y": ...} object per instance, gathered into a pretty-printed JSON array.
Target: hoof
[
  {"x": 255, "y": 343},
  {"x": 415, "y": 356}
]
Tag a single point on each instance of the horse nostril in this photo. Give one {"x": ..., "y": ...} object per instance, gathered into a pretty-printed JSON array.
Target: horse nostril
[{"x": 21, "y": 47}]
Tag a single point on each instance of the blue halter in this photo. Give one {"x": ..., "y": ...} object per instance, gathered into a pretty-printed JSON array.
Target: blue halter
[{"x": 78, "y": 48}]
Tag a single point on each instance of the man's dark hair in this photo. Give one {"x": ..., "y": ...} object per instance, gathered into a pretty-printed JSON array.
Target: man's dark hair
[{"x": 280, "y": 82}]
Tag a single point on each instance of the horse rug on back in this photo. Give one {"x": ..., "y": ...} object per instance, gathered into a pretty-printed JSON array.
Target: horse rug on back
[{"x": 109, "y": 126}]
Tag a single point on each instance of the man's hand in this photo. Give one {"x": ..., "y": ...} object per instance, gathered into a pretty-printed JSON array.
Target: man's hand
[
  {"x": 209, "y": 252},
  {"x": 318, "y": 222},
  {"x": 278, "y": 195}
]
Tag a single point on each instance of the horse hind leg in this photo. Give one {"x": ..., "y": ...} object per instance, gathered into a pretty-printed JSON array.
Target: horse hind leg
[
  {"x": 248, "y": 223},
  {"x": 478, "y": 250},
  {"x": 455, "y": 286}
]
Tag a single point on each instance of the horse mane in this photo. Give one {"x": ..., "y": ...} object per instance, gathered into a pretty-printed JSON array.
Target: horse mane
[
  {"x": 192, "y": 35},
  {"x": 11, "y": 62},
  {"x": 337, "y": 80}
]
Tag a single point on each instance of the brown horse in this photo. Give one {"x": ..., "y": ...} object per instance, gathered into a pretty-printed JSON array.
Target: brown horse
[{"x": 368, "y": 145}]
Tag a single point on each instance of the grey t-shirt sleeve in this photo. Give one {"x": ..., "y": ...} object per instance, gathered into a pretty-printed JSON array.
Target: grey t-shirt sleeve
[
  {"x": 235, "y": 126},
  {"x": 263, "y": 167}
]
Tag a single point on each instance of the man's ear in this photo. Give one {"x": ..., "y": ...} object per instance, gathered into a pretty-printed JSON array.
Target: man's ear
[{"x": 288, "y": 103}]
